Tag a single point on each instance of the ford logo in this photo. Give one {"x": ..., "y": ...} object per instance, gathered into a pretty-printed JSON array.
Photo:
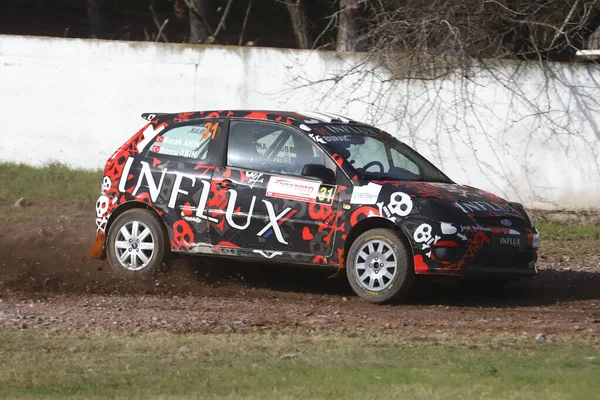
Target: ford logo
[{"x": 506, "y": 222}]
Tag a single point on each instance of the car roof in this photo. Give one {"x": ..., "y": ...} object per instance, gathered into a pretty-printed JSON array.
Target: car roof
[{"x": 288, "y": 117}]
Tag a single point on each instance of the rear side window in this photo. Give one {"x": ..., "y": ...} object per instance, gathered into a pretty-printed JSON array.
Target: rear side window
[
  {"x": 272, "y": 148},
  {"x": 189, "y": 141}
]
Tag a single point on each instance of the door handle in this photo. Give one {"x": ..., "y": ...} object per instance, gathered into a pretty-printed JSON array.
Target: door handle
[{"x": 225, "y": 184}]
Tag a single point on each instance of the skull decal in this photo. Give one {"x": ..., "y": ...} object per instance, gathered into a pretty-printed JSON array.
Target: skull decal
[
  {"x": 102, "y": 205},
  {"x": 400, "y": 205},
  {"x": 106, "y": 184},
  {"x": 422, "y": 233}
]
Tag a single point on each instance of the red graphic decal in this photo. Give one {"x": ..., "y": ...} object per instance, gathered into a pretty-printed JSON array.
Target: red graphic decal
[
  {"x": 319, "y": 260},
  {"x": 227, "y": 244},
  {"x": 144, "y": 197},
  {"x": 183, "y": 237},
  {"x": 256, "y": 115},
  {"x": 286, "y": 217},
  {"x": 479, "y": 240},
  {"x": 364, "y": 212},
  {"x": 319, "y": 211},
  {"x": 420, "y": 265},
  {"x": 445, "y": 243},
  {"x": 339, "y": 160},
  {"x": 306, "y": 235},
  {"x": 182, "y": 117},
  {"x": 187, "y": 209}
]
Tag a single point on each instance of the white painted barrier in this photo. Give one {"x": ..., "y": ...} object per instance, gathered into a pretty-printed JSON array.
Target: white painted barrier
[{"x": 521, "y": 130}]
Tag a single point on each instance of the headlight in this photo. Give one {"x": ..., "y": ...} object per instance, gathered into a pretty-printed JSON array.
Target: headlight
[{"x": 536, "y": 239}]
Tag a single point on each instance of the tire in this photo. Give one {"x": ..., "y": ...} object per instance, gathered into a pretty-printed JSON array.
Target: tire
[
  {"x": 148, "y": 253},
  {"x": 367, "y": 278}
]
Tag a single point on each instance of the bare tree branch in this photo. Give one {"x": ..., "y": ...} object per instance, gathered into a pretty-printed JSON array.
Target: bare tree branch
[
  {"x": 199, "y": 26},
  {"x": 347, "y": 30},
  {"x": 299, "y": 23},
  {"x": 223, "y": 19},
  {"x": 245, "y": 22},
  {"x": 161, "y": 27}
]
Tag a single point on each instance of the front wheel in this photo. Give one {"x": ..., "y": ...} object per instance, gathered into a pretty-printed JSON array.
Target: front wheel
[
  {"x": 137, "y": 243},
  {"x": 379, "y": 266}
]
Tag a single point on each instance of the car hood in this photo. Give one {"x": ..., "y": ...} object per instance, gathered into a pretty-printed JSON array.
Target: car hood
[{"x": 472, "y": 201}]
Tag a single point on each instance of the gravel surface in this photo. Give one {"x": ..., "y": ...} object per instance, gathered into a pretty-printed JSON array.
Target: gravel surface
[{"x": 47, "y": 283}]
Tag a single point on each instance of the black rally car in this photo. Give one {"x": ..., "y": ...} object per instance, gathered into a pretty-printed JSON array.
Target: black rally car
[{"x": 303, "y": 188}]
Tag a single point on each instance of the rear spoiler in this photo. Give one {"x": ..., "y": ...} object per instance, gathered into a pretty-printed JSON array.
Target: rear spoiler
[{"x": 151, "y": 116}]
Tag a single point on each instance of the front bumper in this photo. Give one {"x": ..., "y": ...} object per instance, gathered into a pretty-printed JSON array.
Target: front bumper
[
  {"x": 474, "y": 268},
  {"x": 478, "y": 251}
]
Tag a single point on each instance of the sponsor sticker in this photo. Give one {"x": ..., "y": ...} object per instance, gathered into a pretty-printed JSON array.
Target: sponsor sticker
[
  {"x": 293, "y": 189},
  {"x": 367, "y": 194},
  {"x": 504, "y": 241},
  {"x": 510, "y": 241}
]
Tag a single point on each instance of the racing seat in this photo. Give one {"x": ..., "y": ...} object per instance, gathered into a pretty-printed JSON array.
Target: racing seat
[{"x": 242, "y": 149}]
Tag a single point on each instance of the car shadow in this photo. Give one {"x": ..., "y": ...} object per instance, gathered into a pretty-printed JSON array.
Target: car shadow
[
  {"x": 548, "y": 287},
  {"x": 273, "y": 276}
]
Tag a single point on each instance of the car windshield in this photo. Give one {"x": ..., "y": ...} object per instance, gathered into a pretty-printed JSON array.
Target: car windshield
[{"x": 376, "y": 155}]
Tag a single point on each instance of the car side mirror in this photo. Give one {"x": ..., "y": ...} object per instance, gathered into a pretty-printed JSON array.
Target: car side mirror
[{"x": 320, "y": 172}]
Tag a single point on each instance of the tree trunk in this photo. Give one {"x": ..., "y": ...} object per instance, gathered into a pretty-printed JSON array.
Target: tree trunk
[
  {"x": 199, "y": 29},
  {"x": 347, "y": 26},
  {"x": 95, "y": 18},
  {"x": 299, "y": 23},
  {"x": 593, "y": 41}
]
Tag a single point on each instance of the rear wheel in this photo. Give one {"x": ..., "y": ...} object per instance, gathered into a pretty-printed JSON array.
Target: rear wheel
[
  {"x": 379, "y": 266},
  {"x": 137, "y": 243}
]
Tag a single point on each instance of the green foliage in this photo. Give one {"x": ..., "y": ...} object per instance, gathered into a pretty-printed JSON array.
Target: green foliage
[
  {"x": 562, "y": 231},
  {"x": 53, "y": 181},
  {"x": 250, "y": 366}
]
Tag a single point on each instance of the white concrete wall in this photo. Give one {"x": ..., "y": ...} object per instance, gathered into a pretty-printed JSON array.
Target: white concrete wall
[{"x": 522, "y": 130}]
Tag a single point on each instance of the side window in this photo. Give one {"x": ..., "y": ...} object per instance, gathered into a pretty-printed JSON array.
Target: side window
[
  {"x": 272, "y": 148},
  {"x": 400, "y": 161},
  {"x": 189, "y": 141},
  {"x": 363, "y": 154}
]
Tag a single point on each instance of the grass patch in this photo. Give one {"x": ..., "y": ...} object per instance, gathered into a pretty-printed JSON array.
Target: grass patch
[
  {"x": 53, "y": 181},
  {"x": 562, "y": 231},
  {"x": 326, "y": 366}
]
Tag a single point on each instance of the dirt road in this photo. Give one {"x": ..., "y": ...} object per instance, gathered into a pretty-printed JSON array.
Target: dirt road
[{"x": 46, "y": 282}]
